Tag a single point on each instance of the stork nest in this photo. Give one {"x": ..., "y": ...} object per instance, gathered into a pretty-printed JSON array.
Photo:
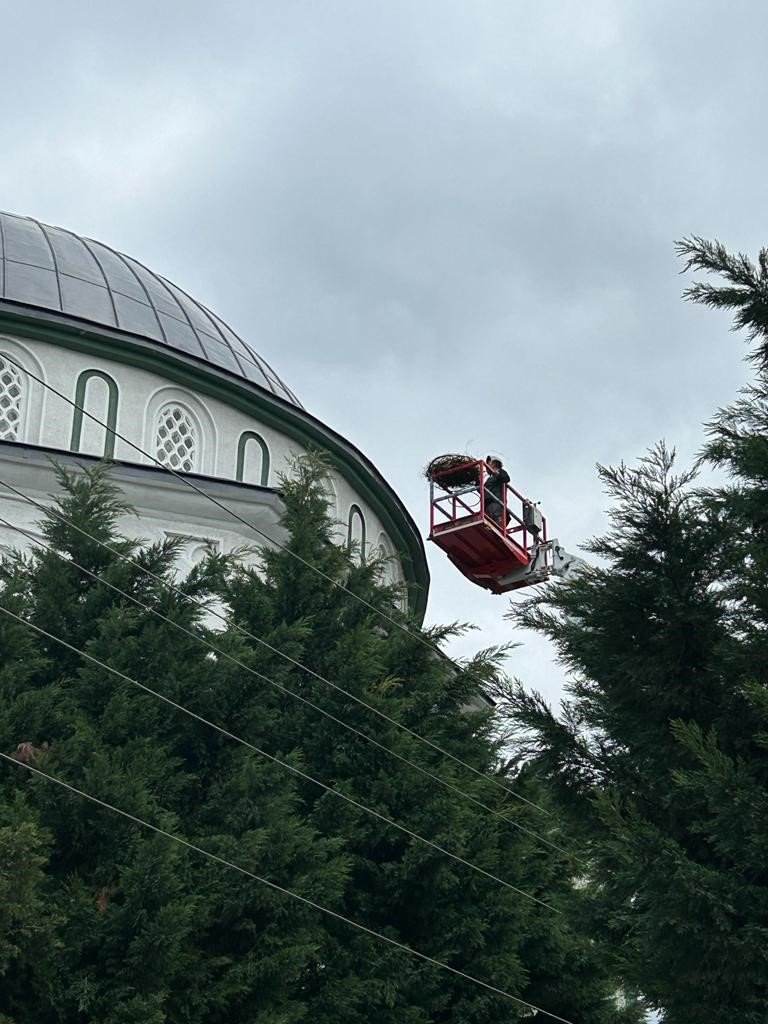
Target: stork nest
[{"x": 462, "y": 475}]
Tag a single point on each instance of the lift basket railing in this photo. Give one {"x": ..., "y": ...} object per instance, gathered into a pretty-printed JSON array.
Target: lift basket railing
[{"x": 514, "y": 516}]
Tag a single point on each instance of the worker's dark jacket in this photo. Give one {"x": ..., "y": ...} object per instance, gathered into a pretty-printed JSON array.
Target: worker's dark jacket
[{"x": 494, "y": 484}]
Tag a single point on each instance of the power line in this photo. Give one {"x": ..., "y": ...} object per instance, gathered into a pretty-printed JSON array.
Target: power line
[
  {"x": 230, "y": 512},
  {"x": 296, "y": 696},
  {"x": 271, "y": 757},
  {"x": 189, "y": 483},
  {"x": 286, "y": 892}
]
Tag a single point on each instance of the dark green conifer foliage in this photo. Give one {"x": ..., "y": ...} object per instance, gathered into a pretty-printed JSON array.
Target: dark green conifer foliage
[
  {"x": 659, "y": 755},
  {"x": 105, "y": 922},
  {"x": 397, "y": 885}
]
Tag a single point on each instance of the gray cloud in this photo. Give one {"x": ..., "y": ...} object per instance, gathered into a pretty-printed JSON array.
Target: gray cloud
[{"x": 445, "y": 224}]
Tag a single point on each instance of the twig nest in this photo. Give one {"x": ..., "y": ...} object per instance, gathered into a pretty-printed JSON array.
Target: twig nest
[{"x": 454, "y": 471}]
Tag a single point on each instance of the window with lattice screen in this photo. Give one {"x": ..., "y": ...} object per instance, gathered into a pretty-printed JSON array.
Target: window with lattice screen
[
  {"x": 356, "y": 533},
  {"x": 11, "y": 395},
  {"x": 176, "y": 443}
]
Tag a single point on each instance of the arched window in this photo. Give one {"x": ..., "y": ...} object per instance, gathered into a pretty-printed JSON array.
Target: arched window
[
  {"x": 96, "y": 393},
  {"x": 252, "y": 459},
  {"x": 179, "y": 432},
  {"x": 356, "y": 532},
  {"x": 393, "y": 572},
  {"x": 11, "y": 397},
  {"x": 332, "y": 498},
  {"x": 384, "y": 553},
  {"x": 176, "y": 438}
]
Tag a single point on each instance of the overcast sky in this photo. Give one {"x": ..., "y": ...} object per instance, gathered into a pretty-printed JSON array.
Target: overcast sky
[{"x": 449, "y": 225}]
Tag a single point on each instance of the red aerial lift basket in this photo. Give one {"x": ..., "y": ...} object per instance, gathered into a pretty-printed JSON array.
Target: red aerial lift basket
[{"x": 492, "y": 542}]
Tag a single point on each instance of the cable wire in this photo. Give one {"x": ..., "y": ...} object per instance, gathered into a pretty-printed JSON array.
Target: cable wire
[
  {"x": 296, "y": 696},
  {"x": 189, "y": 483},
  {"x": 286, "y": 892},
  {"x": 230, "y": 512},
  {"x": 271, "y": 757}
]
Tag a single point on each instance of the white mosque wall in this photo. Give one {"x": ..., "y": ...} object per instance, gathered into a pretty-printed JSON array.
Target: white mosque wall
[
  {"x": 190, "y": 432},
  {"x": 164, "y": 507}
]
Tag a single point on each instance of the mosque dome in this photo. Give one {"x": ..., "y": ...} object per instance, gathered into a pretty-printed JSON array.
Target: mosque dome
[
  {"x": 101, "y": 358},
  {"x": 49, "y": 268}
]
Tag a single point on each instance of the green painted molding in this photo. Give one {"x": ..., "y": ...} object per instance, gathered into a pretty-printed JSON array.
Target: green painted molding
[
  {"x": 245, "y": 437},
  {"x": 77, "y": 418},
  {"x": 206, "y": 379},
  {"x": 355, "y": 510}
]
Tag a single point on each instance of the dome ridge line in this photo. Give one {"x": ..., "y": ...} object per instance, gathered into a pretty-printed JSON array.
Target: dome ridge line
[
  {"x": 55, "y": 262},
  {"x": 211, "y": 319},
  {"x": 97, "y": 261},
  {"x": 124, "y": 260},
  {"x": 157, "y": 277}
]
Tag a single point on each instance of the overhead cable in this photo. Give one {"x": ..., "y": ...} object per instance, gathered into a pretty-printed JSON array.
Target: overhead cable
[
  {"x": 270, "y": 757},
  {"x": 224, "y": 508},
  {"x": 286, "y": 892},
  {"x": 311, "y": 672},
  {"x": 190, "y": 483},
  {"x": 260, "y": 675}
]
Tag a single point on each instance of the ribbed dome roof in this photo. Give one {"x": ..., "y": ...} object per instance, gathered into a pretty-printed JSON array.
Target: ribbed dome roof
[{"x": 52, "y": 269}]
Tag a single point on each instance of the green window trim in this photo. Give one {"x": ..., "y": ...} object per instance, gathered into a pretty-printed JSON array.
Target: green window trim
[
  {"x": 355, "y": 510},
  {"x": 245, "y": 437},
  {"x": 299, "y": 425},
  {"x": 79, "y": 412}
]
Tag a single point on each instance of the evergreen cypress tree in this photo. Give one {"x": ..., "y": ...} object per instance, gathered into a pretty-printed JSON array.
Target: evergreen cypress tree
[
  {"x": 106, "y": 922},
  {"x": 397, "y": 885},
  {"x": 659, "y": 754}
]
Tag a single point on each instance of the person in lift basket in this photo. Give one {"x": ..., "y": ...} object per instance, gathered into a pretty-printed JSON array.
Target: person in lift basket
[{"x": 494, "y": 489}]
